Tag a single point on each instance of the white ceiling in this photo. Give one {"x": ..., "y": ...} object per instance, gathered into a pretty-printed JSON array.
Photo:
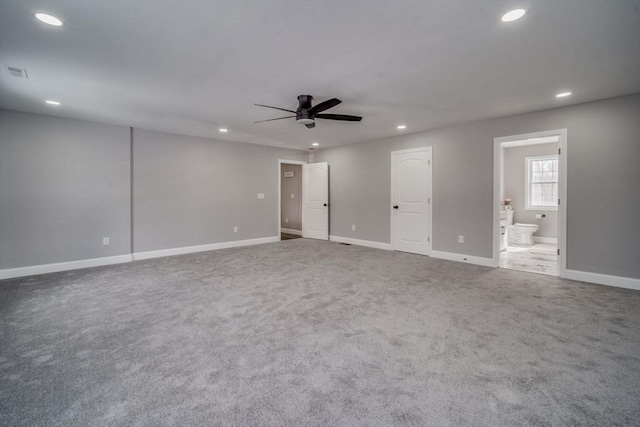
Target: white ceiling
[{"x": 193, "y": 66}]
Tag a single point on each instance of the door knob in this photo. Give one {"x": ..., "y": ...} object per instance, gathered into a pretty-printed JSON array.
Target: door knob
[
  {"x": 395, "y": 207},
  {"x": 324, "y": 204}
]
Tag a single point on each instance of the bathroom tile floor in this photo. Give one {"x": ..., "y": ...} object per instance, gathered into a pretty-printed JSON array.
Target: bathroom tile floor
[{"x": 538, "y": 258}]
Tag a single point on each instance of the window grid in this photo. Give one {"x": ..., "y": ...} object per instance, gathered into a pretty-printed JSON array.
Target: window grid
[{"x": 542, "y": 182}]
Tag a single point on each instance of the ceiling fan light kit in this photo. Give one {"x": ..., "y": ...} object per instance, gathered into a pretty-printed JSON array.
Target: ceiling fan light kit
[{"x": 306, "y": 113}]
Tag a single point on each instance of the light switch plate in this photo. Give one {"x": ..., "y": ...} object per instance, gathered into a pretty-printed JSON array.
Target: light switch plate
[{"x": 260, "y": 195}]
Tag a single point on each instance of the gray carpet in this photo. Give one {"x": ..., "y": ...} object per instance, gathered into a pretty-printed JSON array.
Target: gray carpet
[{"x": 316, "y": 333}]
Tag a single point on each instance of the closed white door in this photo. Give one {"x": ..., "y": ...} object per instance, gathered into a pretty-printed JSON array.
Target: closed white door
[
  {"x": 315, "y": 200},
  {"x": 411, "y": 200}
]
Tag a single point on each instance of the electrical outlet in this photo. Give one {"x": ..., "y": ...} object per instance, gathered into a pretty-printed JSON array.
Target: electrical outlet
[
  {"x": 286, "y": 220},
  {"x": 260, "y": 195},
  {"x": 293, "y": 196},
  {"x": 353, "y": 227},
  {"x": 235, "y": 229},
  {"x": 460, "y": 239},
  {"x": 105, "y": 241}
]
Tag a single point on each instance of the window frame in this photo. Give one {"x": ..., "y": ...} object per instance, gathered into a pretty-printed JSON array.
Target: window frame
[{"x": 527, "y": 183}]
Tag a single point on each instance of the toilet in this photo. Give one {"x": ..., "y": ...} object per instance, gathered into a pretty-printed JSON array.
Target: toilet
[{"x": 521, "y": 234}]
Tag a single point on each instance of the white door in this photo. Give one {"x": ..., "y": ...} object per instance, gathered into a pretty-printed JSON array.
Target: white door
[
  {"x": 315, "y": 200},
  {"x": 411, "y": 200}
]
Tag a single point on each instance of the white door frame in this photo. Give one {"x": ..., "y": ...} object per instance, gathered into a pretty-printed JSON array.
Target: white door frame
[
  {"x": 280, "y": 163},
  {"x": 498, "y": 154},
  {"x": 429, "y": 151}
]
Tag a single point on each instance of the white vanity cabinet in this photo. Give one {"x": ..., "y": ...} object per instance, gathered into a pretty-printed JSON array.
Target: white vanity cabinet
[{"x": 504, "y": 223}]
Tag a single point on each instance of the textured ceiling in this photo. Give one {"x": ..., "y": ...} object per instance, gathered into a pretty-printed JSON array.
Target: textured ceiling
[{"x": 193, "y": 66}]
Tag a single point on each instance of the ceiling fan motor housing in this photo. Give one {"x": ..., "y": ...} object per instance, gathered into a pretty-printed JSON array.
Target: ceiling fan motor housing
[{"x": 302, "y": 113}]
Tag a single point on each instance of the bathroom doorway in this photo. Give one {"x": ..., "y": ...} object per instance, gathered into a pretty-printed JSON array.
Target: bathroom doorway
[{"x": 529, "y": 216}]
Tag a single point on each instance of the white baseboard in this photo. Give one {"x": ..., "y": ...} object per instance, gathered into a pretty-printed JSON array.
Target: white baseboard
[
  {"x": 291, "y": 231},
  {"x": 358, "y": 242},
  {"x": 11, "y": 273},
  {"x": 551, "y": 240},
  {"x": 486, "y": 262},
  {"x": 203, "y": 248},
  {"x": 604, "y": 279},
  {"x": 97, "y": 262}
]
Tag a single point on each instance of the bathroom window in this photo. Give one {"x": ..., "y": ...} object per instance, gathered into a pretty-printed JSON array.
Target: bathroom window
[{"x": 542, "y": 183}]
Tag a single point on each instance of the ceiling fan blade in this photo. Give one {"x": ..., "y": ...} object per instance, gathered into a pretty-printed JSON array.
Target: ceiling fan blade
[
  {"x": 344, "y": 117},
  {"x": 276, "y": 108},
  {"x": 270, "y": 120},
  {"x": 329, "y": 103},
  {"x": 311, "y": 125}
]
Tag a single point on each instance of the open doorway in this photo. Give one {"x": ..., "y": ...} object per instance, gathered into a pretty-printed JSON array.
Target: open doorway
[
  {"x": 290, "y": 199},
  {"x": 529, "y": 217}
]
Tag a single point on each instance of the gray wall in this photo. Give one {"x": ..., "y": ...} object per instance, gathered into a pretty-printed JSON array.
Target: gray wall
[
  {"x": 64, "y": 185},
  {"x": 192, "y": 191},
  {"x": 291, "y": 208},
  {"x": 603, "y": 183},
  {"x": 515, "y": 172}
]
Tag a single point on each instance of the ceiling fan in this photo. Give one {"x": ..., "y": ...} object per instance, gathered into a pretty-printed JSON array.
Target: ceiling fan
[{"x": 306, "y": 114}]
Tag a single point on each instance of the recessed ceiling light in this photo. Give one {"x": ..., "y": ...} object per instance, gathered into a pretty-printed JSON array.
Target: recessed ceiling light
[
  {"x": 50, "y": 102},
  {"x": 315, "y": 144},
  {"x": 513, "y": 15},
  {"x": 563, "y": 94},
  {"x": 49, "y": 19},
  {"x": 223, "y": 130},
  {"x": 402, "y": 127}
]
